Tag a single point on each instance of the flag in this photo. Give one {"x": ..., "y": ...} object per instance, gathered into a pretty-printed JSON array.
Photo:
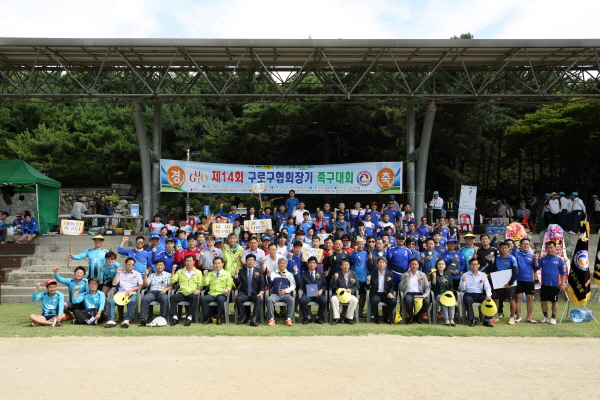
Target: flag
[{"x": 578, "y": 288}]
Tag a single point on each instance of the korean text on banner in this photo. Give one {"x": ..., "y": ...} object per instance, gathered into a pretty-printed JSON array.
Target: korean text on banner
[
  {"x": 71, "y": 227},
  {"x": 310, "y": 252},
  {"x": 466, "y": 208},
  {"x": 357, "y": 178},
  {"x": 222, "y": 230},
  {"x": 258, "y": 225}
]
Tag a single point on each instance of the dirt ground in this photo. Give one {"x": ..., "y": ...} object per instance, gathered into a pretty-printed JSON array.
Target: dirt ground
[{"x": 346, "y": 367}]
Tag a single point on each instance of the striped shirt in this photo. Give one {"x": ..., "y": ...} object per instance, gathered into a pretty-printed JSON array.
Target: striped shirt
[
  {"x": 159, "y": 282},
  {"x": 129, "y": 280}
]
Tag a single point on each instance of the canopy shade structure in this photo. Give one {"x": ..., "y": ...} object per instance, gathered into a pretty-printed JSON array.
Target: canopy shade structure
[
  {"x": 24, "y": 178},
  {"x": 278, "y": 70}
]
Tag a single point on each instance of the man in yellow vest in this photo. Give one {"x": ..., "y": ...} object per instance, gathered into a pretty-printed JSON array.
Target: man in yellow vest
[{"x": 219, "y": 285}]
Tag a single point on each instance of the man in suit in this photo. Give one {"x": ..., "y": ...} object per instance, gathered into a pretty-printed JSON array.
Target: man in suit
[
  {"x": 381, "y": 289},
  {"x": 415, "y": 284},
  {"x": 313, "y": 277},
  {"x": 250, "y": 281},
  {"x": 348, "y": 280}
]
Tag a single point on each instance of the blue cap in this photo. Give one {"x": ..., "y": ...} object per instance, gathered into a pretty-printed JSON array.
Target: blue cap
[
  {"x": 561, "y": 193},
  {"x": 392, "y": 197},
  {"x": 267, "y": 237},
  {"x": 218, "y": 240},
  {"x": 594, "y": 196},
  {"x": 450, "y": 240},
  {"x": 574, "y": 194},
  {"x": 547, "y": 194},
  {"x": 436, "y": 192},
  {"x": 154, "y": 236}
]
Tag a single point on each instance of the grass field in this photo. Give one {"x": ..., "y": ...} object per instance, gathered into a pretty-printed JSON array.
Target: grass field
[{"x": 14, "y": 323}]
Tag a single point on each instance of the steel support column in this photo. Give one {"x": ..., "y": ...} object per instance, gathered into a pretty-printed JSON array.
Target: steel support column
[
  {"x": 422, "y": 165},
  {"x": 140, "y": 128},
  {"x": 157, "y": 147},
  {"x": 410, "y": 147}
]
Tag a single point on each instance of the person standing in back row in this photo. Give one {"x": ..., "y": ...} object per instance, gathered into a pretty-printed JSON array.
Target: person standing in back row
[
  {"x": 451, "y": 207},
  {"x": 291, "y": 203},
  {"x": 578, "y": 211},
  {"x": 437, "y": 203}
]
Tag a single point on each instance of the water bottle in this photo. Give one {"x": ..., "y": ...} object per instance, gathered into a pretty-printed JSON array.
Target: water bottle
[{"x": 580, "y": 315}]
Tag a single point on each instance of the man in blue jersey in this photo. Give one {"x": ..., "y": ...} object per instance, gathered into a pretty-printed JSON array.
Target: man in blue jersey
[
  {"x": 506, "y": 262},
  {"x": 143, "y": 259},
  {"x": 398, "y": 258},
  {"x": 440, "y": 242},
  {"x": 109, "y": 270},
  {"x": 424, "y": 231},
  {"x": 359, "y": 264},
  {"x": 455, "y": 262},
  {"x": 279, "y": 218},
  {"x": 375, "y": 215},
  {"x": 292, "y": 203},
  {"x": 29, "y": 229},
  {"x": 553, "y": 281},
  {"x": 93, "y": 301},
  {"x": 469, "y": 249},
  {"x": 77, "y": 280},
  {"x": 525, "y": 282},
  {"x": 393, "y": 213},
  {"x": 411, "y": 231},
  {"x": 52, "y": 305},
  {"x": 166, "y": 255},
  {"x": 430, "y": 256},
  {"x": 232, "y": 214},
  {"x": 95, "y": 257}
]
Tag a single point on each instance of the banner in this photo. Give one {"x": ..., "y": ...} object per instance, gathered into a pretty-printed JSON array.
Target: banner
[
  {"x": 359, "y": 178},
  {"x": 258, "y": 225},
  {"x": 71, "y": 227},
  {"x": 310, "y": 252},
  {"x": 466, "y": 208},
  {"x": 578, "y": 288},
  {"x": 222, "y": 230}
]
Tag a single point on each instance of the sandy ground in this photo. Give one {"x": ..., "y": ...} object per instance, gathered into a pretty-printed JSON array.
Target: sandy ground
[{"x": 372, "y": 367}]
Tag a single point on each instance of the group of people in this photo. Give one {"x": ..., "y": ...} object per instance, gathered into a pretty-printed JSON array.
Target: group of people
[
  {"x": 24, "y": 225},
  {"x": 360, "y": 251}
]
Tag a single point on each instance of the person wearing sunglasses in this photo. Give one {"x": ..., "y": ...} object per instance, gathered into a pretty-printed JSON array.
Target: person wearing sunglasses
[
  {"x": 142, "y": 258},
  {"x": 129, "y": 281}
]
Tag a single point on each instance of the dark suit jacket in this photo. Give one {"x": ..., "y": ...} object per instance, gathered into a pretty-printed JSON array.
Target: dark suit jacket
[
  {"x": 388, "y": 285},
  {"x": 340, "y": 282},
  {"x": 306, "y": 279},
  {"x": 258, "y": 282},
  {"x": 435, "y": 288}
]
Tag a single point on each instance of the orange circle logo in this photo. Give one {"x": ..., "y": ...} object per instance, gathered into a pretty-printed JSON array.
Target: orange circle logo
[
  {"x": 175, "y": 176},
  {"x": 385, "y": 178}
]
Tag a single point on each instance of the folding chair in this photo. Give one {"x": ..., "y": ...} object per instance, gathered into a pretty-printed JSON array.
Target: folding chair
[
  {"x": 356, "y": 312},
  {"x": 215, "y": 304},
  {"x": 430, "y": 311},
  {"x": 251, "y": 304},
  {"x": 283, "y": 304},
  {"x": 152, "y": 303},
  {"x": 380, "y": 304},
  {"x": 313, "y": 303},
  {"x": 463, "y": 318},
  {"x": 120, "y": 309}
]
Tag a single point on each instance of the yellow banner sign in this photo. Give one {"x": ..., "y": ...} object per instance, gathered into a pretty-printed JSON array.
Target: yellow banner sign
[{"x": 71, "y": 227}]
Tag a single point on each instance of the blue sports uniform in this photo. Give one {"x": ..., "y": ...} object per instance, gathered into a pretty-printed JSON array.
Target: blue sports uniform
[
  {"x": 294, "y": 261},
  {"x": 398, "y": 258},
  {"x": 29, "y": 227},
  {"x": 525, "y": 261},
  {"x": 95, "y": 261},
  {"x": 70, "y": 283},
  {"x": 429, "y": 260},
  {"x": 290, "y": 204},
  {"x": 109, "y": 272},
  {"x": 143, "y": 259},
  {"x": 51, "y": 305},
  {"x": 358, "y": 263},
  {"x": 94, "y": 301},
  {"x": 551, "y": 267},
  {"x": 508, "y": 263},
  {"x": 166, "y": 257},
  {"x": 449, "y": 257},
  {"x": 394, "y": 214}
]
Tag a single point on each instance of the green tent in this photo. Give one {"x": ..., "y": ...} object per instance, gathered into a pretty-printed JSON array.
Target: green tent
[{"x": 24, "y": 178}]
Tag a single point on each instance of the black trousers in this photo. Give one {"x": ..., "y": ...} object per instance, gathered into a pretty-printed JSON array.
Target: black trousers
[
  {"x": 321, "y": 300},
  {"x": 437, "y": 214},
  {"x": 554, "y": 218},
  {"x": 192, "y": 298},
  {"x": 242, "y": 298},
  {"x": 409, "y": 303},
  {"x": 81, "y": 316},
  {"x": 376, "y": 298},
  {"x": 469, "y": 299}
]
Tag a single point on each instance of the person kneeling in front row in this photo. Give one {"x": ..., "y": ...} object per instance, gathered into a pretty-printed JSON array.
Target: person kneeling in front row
[
  {"x": 347, "y": 280},
  {"x": 476, "y": 288}
]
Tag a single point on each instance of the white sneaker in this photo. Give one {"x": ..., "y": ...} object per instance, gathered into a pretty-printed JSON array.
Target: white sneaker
[
  {"x": 552, "y": 321},
  {"x": 544, "y": 320},
  {"x": 518, "y": 319},
  {"x": 531, "y": 320}
]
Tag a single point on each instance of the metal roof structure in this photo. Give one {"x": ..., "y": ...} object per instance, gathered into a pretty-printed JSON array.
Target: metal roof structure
[{"x": 277, "y": 70}]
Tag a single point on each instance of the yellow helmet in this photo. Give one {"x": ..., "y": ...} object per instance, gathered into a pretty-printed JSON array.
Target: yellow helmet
[
  {"x": 488, "y": 308},
  {"x": 398, "y": 316},
  {"x": 447, "y": 298},
  {"x": 343, "y": 296},
  {"x": 121, "y": 299},
  {"x": 418, "y": 304}
]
